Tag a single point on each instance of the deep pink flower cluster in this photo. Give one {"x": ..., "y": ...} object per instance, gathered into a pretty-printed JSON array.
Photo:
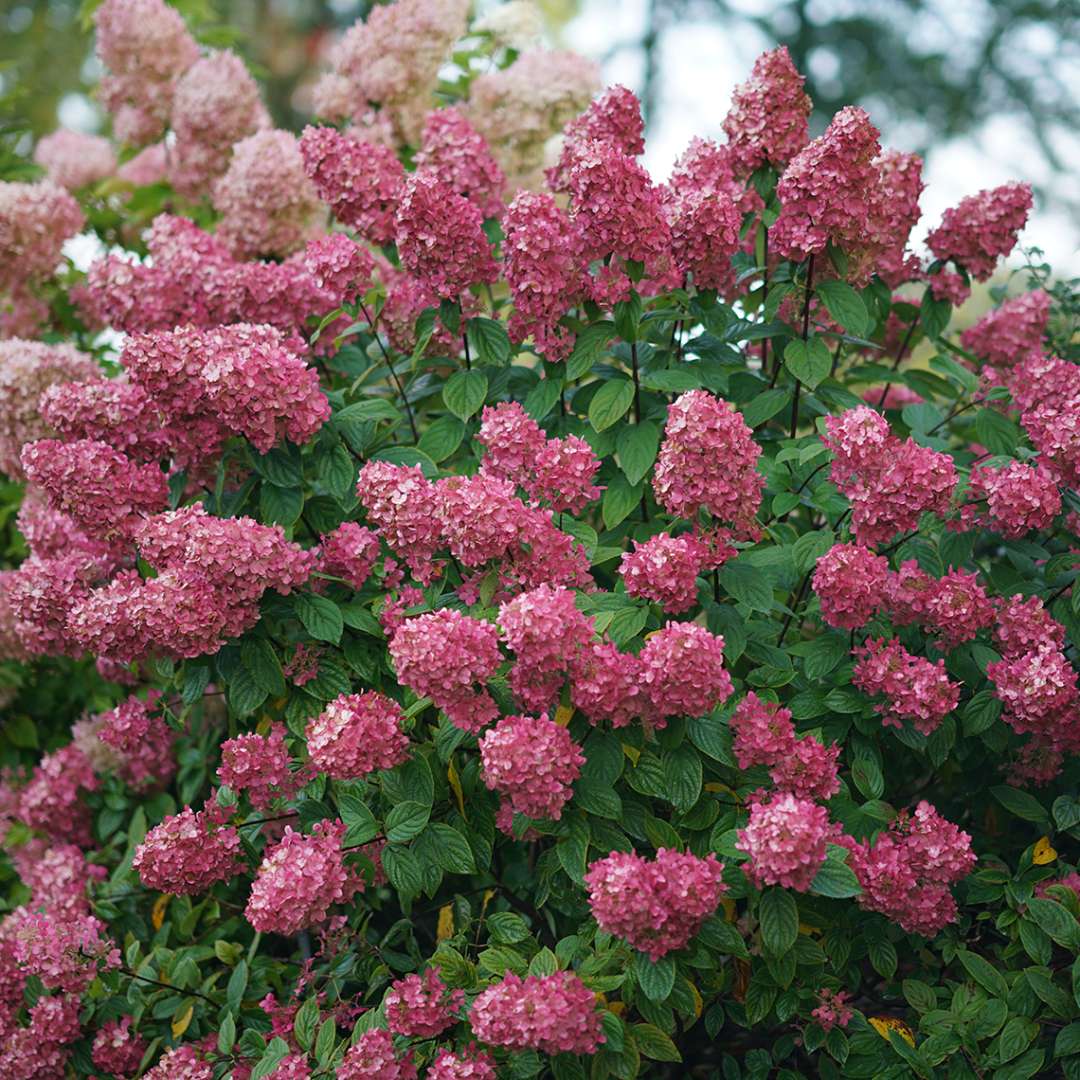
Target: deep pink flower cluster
[
  {"x": 614, "y": 118},
  {"x": 453, "y": 150},
  {"x": 553, "y": 1013},
  {"x": 768, "y": 122},
  {"x": 849, "y": 581},
  {"x": 357, "y": 734},
  {"x": 63, "y": 950},
  {"x": 422, "y": 1005},
  {"x": 785, "y": 839},
  {"x": 665, "y": 569},
  {"x": 914, "y": 688},
  {"x": 1024, "y": 625},
  {"x": 982, "y": 228},
  {"x": 340, "y": 265},
  {"x": 373, "y": 1057},
  {"x": 1011, "y": 333},
  {"x": 188, "y": 852},
  {"x": 832, "y": 1009},
  {"x": 1047, "y": 393},
  {"x": 708, "y": 461},
  {"x": 900, "y": 185},
  {"x": 905, "y": 874},
  {"x": 1012, "y": 499},
  {"x": 532, "y": 762},
  {"x": 259, "y": 765},
  {"x": 57, "y": 875},
  {"x": 182, "y": 1062},
  {"x": 682, "y": 672},
  {"x": 51, "y": 802},
  {"x": 1038, "y": 687},
  {"x": 401, "y": 502},
  {"x": 142, "y": 738},
  {"x": 41, "y": 1048},
  {"x": 117, "y": 1050},
  {"x": 449, "y": 657},
  {"x": 890, "y": 483},
  {"x": 659, "y": 905},
  {"x": 809, "y": 770},
  {"x": 957, "y": 608},
  {"x": 472, "y": 1063},
  {"x": 349, "y": 552},
  {"x": 299, "y": 879},
  {"x": 606, "y": 686}
]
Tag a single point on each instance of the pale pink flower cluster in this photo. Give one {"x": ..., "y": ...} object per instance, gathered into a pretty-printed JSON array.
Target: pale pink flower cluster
[
  {"x": 982, "y": 228},
  {"x": 299, "y": 879},
  {"x": 117, "y": 1050},
  {"x": 422, "y": 1005},
  {"x": 913, "y": 687},
  {"x": 142, "y": 739},
  {"x": 146, "y": 47},
  {"x": 57, "y": 875},
  {"x": 449, "y": 657},
  {"x": 74, "y": 159},
  {"x": 149, "y": 166},
  {"x": 51, "y": 800},
  {"x": 1011, "y": 333},
  {"x": 357, "y": 734},
  {"x": 63, "y": 950},
  {"x": 557, "y": 471},
  {"x": 659, "y": 905},
  {"x": 188, "y": 852},
  {"x": 452, "y": 149},
  {"x": 665, "y": 569},
  {"x": 613, "y": 118},
  {"x": 1047, "y": 392},
  {"x": 1011, "y": 499},
  {"x": 849, "y": 580},
  {"x": 182, "y": 1062},
  {"x": 1025, "y": 625},
  {"x": 340, "y": 266},
  {"x": 890, "y": 483},
  {"x": 900, "y": 186},
  {"x": 768, "y": 122},
  {"x": 349, "y": 552},
  {"x": 832, "y": 1009},
  {"x": 259, "y": 765},
  {"x": 786, "y": 840},
  {"x": 532, "y": 762},
  {"x": 708, "y": 461},
  {"x": 906, "y": 873},
  {"x": 373, "y": 1057},
  {"x": 472, "y": 1063},
  {"x": 682, "y": 672},
  {"x": 41, "y": 1048},
  {"x": 553, "y": 1013}
]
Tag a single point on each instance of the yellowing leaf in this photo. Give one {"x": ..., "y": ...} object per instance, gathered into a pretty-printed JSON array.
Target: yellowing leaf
[
  {"x": 806, "y": 928},
  {"x": 884, "y": 1024},
  {"x": 617, "y": 1007},
  {"x": 180, "y": 1023},
  {"x": 445, "y": 929},
  {"x": 632, "y": 753},
  {"x": 157, "y": 915},
  {"x": 698, "y": 1003},
  {"x": 455, "y": 785},
  {"x": 729, "y": 908},
  {"x": 264, "y": 725},
  {"x": 563, "y": 714},
  {"x": 1043, "y": 852}
]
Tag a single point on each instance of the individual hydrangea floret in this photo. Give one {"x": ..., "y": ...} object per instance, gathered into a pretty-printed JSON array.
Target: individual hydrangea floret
[
  {"x": 422, "y": 1005},
  {"x": 187, "y": 853},
  {"x": 357, "y": 734}
]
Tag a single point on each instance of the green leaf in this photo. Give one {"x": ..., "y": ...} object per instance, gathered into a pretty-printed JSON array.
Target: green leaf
[
  {"x": 489, "y": 340},
  {"x": 226, "y": 1034},
  {"x": 368, "y": 411},
  {"x": 654, "y": 1044},
  {"x": 996, "y": 432},
  {"x": 245, "y": 694},
  {"x": 358, "y": 819},
  {"x": 765, "y": 406},
  {"x": 321, "y": 617},
  {"x": 280, "y": 506},
  {"x": 282, "y": 466},
  {"x": 597, "y": 797},
  {"x": 845, "y": 305},
  {"x": 406, "y": 821},
  {"x": 682, "y": 776},
  {"x": 402, "y": 870},
  {"x": 984, "y": 973},
  {"x": 588, "y": 347},
  {"x": 271, "y": 1058},
  {"x": 452, "y": 851},
  {"x": 610, "y": 403},
  {"x": 540, "y": 400},
  {"x": 1015, "y": 1037},
  {"x": 619, "y": 499},
  {"x": 920, "y": 996},
  {"x": 747, "y": 584},
  {"x": 636, "y": 446},
  {"x": 305, "y": 1022},
  {"x": 234, "y": 991},
  {"x": 779, "y": 918},
  {"x": 262, "y": 663},
  {"x": 1068, "y": 1040},
  {"x": 882, "y": 956},
  {"x": 1020, "y": 803},
  {"x": 808, "y": 361},
  {"x": 655, "y": 979},
  {"x": 336, "y": 469},
  {"x": 442, "y": 438},
  {"x": 1056, "y": 921},
  {"x": 465, "y": 392},
  {"x": 836, "y": 880}
]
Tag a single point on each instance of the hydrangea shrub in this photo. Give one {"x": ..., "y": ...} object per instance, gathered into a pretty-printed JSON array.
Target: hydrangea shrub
[{"x": 485, "y": 612}]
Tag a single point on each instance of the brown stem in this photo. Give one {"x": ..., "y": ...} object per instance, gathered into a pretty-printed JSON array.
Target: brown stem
[{"x": 393, "y": 373}]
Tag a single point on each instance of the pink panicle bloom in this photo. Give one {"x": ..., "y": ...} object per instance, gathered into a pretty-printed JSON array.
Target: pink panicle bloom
[
  {"x": 849, "y": 581},
  {"x": 606, "y": 685},
  {"x": 664, "y": 569},
  {"x": 1013, "y": 499},
  {"x": 35, "y": 220},
  {"x": 291, "y": 1067},
  {"x": 809, "y": 770},
  {"x": 480, "y": 517},
  {"x": 146, "y": 47},
  {"x": 41, "y": 1049},
  {"x": 188, "y": 852},
  {"x": 62, "y": 951},
  {"x": 246, "y": 376},
  {"x": 142, "y": 739},
  {"x": 11, "y": 646},
  {"x": 545, "y": 270},
  {"x": 57, "y": 875},
  {"x": 546, "y": 632},
  {"x": 982, "y": 228},
  {"x": 762, "y": 731},
  {"x": 858, "y": 439},
  {"x": 1051, "y": 417},
  {"x": 117, "y": 1050},
  {"x": 51, "y": 800},
  {"x": 360, "y": 181},
  {"x": 613, "y": 119},
  {"x": 957, "y": 608},
  {"x": 705, "y": 220},
  {"x": 449, "y": 657},
  {"x": 786, "y": 840},
  {"x": 533, "y": 762},
  {"x": 1039, "y": 691},
  {"x": 950, "y": 286},
  {"x": 553, "y": 1013},
  {"x": 401, "y": 502},
  {"x": 1036, "y": 764},
  {"x": 901, "y": 184},
  {"x": 564, "y": 473},
  {"x": 180, "y": 1063},
  {"x": 357, "y": 734},
  {"x": 472, "y": 1063},
  {"x": 102, "y": 490},
  {"x": 768, "y": 122},
  {"x": 452, "y": 149},
  {"x": 266, "y": 201},
  {"x": 422, "y": 1005},
  {"x": 832, "y": 1009},
  {"x": 914, "y": 688},
  {"x": 1024, "y": 625},
  {"x": 657, "y": 906},
  {"x": 1012, "y": 332},
  {"x": 259, "y": 765},
  {"x": 75, "y": 160},
  {"x": 512, "y": 441},
  {"x": 708, "y": 461},
  {"x": 43, "y": 594},
  {"x": 907, "y": 592},
  {"x": 440, "y": 237},
  {"x": 682, "y": 671},
  {"x": 340, "y": 266},
  {"x": 217, "y": 104},
  {"x": 27, "y": 369},
  {"x": 300, "y": 879},
  {"x": 349, "y": 552},
  {"x": 373, "y": 1057},
  {"x": 906, "y": 873},
  {"x": 149, "y": 166},
  {"x": 51, "y": 534},
  {"x": 830, "y": 193}
]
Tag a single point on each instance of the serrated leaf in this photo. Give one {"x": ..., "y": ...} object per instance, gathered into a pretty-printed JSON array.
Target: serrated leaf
[
  {"x": 465, "y": 392},
  {"x": 489, "y": 341},
  {"x": 442, "y": 438},
  {"x": 636, "y": 446},
  {"x": 845, "y": 305},
  {"x": 778, "y": 915},
  {"x": 654, "y": 1044},
  {"x": 808, "y": 361},
  {"x": 655, "y": 979},
  {"x": 321, "y": 617},
  {"x": 406, "y": 821},
  {"x": 610, "y": 403}
]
